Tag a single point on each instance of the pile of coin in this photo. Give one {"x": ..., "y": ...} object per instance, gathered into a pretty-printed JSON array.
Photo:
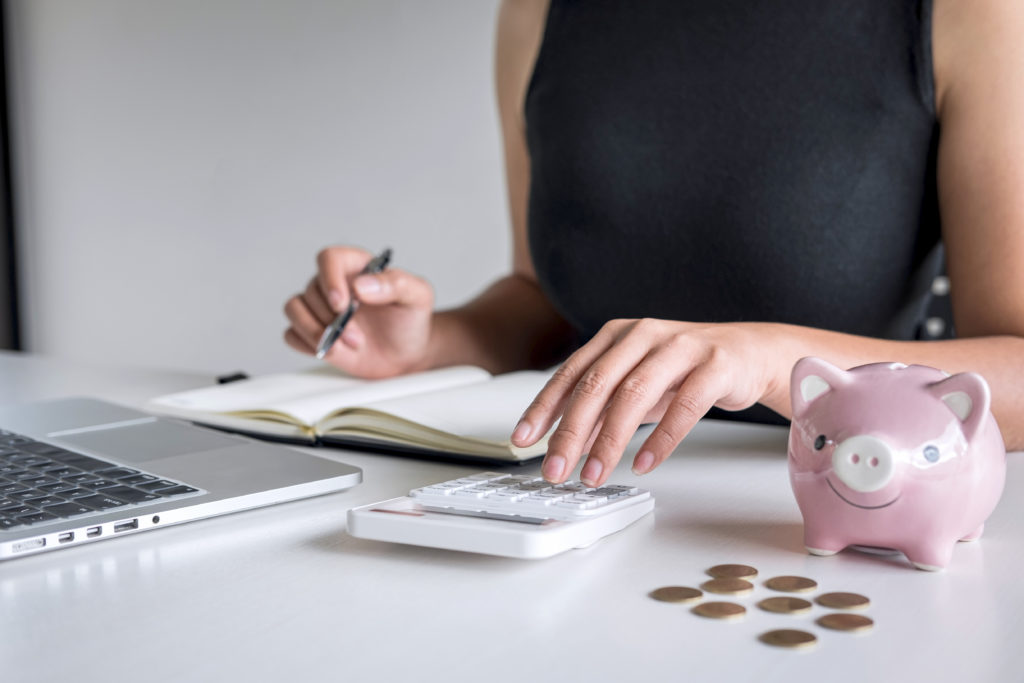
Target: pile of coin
[{"x": 736, "y": 580}]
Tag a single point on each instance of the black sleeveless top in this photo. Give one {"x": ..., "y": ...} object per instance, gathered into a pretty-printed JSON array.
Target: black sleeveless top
[{"x": 735, "y": 160}]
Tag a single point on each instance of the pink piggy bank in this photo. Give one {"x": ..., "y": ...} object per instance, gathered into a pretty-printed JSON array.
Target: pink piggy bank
[{"x": 893, "y": 456}]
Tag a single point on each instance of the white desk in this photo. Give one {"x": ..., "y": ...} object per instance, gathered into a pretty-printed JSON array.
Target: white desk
[{"x": 283, "y": 593}]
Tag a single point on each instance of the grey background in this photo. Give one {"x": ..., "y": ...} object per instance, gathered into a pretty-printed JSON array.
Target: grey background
[{"x": 179, "y": 164}]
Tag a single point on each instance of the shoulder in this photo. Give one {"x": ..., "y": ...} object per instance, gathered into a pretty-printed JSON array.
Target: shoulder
[{"x": 977, "y": 48}]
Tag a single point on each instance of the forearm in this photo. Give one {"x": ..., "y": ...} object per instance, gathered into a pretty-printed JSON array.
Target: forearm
[
  {"x": 999, "y": 359},
  {"x": 510, "y": 326}
]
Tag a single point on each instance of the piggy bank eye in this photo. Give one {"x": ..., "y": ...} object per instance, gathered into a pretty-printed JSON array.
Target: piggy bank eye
[
  {"x": 931, "y": 453},
  {"x": 820, "y": 442}
]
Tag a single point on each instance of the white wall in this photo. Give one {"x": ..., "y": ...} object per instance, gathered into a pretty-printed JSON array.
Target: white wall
[{"x": 179, "y": 163}]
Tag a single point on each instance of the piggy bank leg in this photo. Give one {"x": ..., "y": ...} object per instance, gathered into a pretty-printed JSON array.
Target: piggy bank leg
[
  {"x": 931, "y": 557},
  {"x": 974, "y": 535},
  {"x": 820, "y": 543}
]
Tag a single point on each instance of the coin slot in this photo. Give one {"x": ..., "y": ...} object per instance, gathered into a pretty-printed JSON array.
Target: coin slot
[
  {"x": 93, "y": 532},
  {"x": 66, "y": 537},
  {"x": 126, "y": 526}
]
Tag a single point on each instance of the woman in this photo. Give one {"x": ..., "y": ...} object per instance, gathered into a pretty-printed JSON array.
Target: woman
[{"x": 704, "y": 192}]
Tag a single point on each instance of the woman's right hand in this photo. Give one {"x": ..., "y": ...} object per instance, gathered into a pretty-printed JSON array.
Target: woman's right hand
[{"x": 387, "y": 336}]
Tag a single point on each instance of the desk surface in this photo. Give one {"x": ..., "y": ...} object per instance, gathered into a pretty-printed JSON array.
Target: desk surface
[{"x": 283, "y": 593}]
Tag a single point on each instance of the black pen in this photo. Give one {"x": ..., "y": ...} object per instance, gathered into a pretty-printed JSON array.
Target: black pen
[{"x": 333, "y": 331}]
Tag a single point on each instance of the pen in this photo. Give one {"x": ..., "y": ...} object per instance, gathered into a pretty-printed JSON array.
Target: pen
[{"x": 333, "y": 331}]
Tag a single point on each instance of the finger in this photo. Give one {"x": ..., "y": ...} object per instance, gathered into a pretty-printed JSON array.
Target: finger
[
  {"x": 694, "y": 398},
  {"x": 634, "y": 398},
  {"x": 395, "y": 287},
  {"x": 335, "y": 267},
  {"x": 545, "y": 408},
  {"x": 314, "y": 299},
  {"x": 589, "y": 398},
  {"x": 303, "y": 321},
  {"x": 292, "y": 338}
]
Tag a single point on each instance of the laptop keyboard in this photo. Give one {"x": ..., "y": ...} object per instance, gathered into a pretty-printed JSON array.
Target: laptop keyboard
[{"x": 40, "y": 482}]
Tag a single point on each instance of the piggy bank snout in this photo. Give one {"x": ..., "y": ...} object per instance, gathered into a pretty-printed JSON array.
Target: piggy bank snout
[{"x": 864, "y": 463}]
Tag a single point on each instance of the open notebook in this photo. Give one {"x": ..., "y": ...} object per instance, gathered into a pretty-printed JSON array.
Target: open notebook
[{"x": 461, "y": 411}]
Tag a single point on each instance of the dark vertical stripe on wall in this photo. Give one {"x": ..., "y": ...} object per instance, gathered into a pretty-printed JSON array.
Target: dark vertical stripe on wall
[{"x": 10, "y": 328}]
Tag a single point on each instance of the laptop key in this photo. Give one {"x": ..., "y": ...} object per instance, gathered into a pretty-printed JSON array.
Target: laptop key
[
  {"x": 138, "y": 479},
  {"x": 17, "y": 510},
  {"x": 177, "y": 491},
  {"x": 81, "y": 478},
  {"x": 82, "y": 462},
  {"x": 38, "y": 481},
  {"x": 60, "y": 487},
  {"x": 28, "y": 460},
  {"x": 99, "y": 502},
  {"x": 43, "y": 501},
  {"x": 116, "y": 472},
  {"x": 12, "y": 487},
  {"x": 129, "y": 494},
  {"x": 21, "y": 495},
  {"x": 77, "y": 493},
  {"x": 40, "y": 447},
  {"x": 61, "y": 471},
  {"x": 102, "y": 484},
  {"x": 67, "y": 509},
  {"x": 36, "y": 517},
  {"x": 157, "y": 485}
]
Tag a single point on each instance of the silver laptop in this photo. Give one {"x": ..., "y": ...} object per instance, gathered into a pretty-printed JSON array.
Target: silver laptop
[{"x": 79, "y": 470}]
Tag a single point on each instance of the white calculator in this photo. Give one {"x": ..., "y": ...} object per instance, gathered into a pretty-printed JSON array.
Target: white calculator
[{"x": 501, "y": 514}]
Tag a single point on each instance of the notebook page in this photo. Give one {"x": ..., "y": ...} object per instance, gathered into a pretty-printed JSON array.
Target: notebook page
[
  {"x": 486, "y": 410},
  {"x": 308, "y": 396}
]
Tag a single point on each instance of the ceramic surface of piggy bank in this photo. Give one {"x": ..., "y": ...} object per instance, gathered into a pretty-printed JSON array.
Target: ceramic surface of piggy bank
[{"x": 893, "y": 456}]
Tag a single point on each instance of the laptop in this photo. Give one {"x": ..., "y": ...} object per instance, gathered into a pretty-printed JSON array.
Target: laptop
[{"x": 80, "y": 470}]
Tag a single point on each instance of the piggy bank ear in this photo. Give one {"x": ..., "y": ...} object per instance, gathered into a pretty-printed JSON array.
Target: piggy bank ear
[
  {"x": 967, "y": 395},
  {"x": 811, "y": 379}
]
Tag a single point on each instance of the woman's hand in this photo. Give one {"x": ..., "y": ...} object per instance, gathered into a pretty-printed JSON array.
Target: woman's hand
[
  {"x": 389, "y": 333},
  {"x": 638, "y": 371}
]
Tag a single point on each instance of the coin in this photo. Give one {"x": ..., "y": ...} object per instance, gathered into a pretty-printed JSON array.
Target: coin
[
  {"x": 788, "y": 637},
  {"x": 732, "y": 571},
  {"x": 791, "y": 584},
  {"x": 720, "y": 610},
  {"x": 842, "y": 621},
  {"x": 728, "y": 586},
  {"x": 843, "y": 601},
  {"x": 681, "y": 594},
  {"x": 785, "y": 605}
]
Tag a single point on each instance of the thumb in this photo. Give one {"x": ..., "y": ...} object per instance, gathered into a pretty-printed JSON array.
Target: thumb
[{"x": 394, "y": 287}]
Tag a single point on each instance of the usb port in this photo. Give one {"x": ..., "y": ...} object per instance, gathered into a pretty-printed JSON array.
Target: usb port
[
  {"x": 126, "y": 526},
  {"x": 93, "y": 532},
  {"x": 66, "y": 537}
]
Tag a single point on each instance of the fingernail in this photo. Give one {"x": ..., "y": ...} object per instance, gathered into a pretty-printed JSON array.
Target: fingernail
[
  {"x": 553, "y": 468},
  {"x": 522, "y": 432},
  {"x": 352, "y": 337},
  {"x": 336, "y": 300},
  {"x": 368, "y": 284},
  {"x": 591, "y": 472},
  {"x": 643, "y": 463}
]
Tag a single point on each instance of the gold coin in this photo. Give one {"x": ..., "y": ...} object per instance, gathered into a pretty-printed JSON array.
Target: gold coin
[
  {"x": 732, "y": 571},
  {"x": 681, "y": 594},
  {"x": 788, "y": 637},
  {"x": 785, "y": 605},
  {"x": 728, "y": 586},
  {"x": 843, "y": 601},
  {"x": 720, "y": 610},
  {"x": 791, "y": 584},
  {"x": 841, "y": 621}
]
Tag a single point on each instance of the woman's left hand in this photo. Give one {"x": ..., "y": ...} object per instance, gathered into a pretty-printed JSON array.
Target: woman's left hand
[{"x": 638, "y": 371}]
